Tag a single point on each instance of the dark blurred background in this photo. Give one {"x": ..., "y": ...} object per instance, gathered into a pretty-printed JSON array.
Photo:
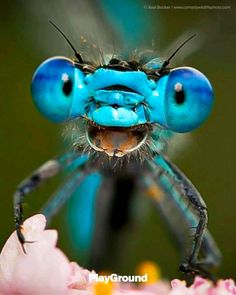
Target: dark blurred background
[{"x": 27, "y": 139}]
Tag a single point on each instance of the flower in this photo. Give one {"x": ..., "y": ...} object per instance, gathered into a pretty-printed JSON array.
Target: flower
[
  {"x": 202, "y": 286},
  {"x": 45, "y": 270}
]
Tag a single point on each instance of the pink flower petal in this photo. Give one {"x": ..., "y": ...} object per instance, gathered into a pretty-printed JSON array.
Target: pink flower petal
[
  {"x": 79, "y": 278},
  {"x": 198, "y": 281},
  {"x": 202, "y": 286},
  {"x": 225, "y": 287},
  {"x": 43, "y": 270},
  {"x": 179, "y": 288}
]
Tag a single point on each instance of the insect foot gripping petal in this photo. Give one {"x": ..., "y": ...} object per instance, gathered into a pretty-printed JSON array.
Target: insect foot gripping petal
[
  {"x": 19, "y": 225},
  {"x": 46, "y": 171}
]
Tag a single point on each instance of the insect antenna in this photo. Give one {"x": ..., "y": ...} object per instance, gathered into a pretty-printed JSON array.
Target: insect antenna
[
  {"x": 77, "y": 54},
  {"x": 167, "y": 61}
]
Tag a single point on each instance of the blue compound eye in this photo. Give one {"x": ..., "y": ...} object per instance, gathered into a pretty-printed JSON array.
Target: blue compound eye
[
  {"x": 188, "y": 99},
  {"x": 53, "y": 88}
]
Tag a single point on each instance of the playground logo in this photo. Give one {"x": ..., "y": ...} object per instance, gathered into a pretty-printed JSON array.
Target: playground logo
[{"x": 114, "y": 278}]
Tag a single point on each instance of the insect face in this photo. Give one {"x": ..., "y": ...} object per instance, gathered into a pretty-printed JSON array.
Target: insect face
[{"x": 120, "y": 105}]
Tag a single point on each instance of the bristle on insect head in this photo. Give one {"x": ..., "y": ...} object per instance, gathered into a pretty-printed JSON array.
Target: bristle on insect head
[
  {"x": 77, "y": 54},
  {"x": 167, "y": 61}
]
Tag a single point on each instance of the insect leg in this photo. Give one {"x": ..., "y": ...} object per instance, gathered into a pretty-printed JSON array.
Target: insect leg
[
  {"x": 62, "y": 194},
  {"x": 180, "y": 191},
  {"x": 43, "y": 173}
]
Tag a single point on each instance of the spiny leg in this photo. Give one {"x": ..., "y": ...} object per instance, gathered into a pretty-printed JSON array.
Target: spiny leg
[
  {"x": 179, "y": 187},
  {"x": 201, "y": 209},
  {"x": 177, "y": 214},
  {"x": 170, "y": 206},
  {"x": 43, "y": 173}
]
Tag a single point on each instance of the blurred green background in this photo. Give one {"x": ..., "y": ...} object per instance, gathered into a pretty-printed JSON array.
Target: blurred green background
[{"x": 27, "y": 139}]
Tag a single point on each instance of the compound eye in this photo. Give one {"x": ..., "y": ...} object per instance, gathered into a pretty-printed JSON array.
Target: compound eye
[
  {"x": 188, "y": 99},
  {"x": 53, "y": 88}
]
